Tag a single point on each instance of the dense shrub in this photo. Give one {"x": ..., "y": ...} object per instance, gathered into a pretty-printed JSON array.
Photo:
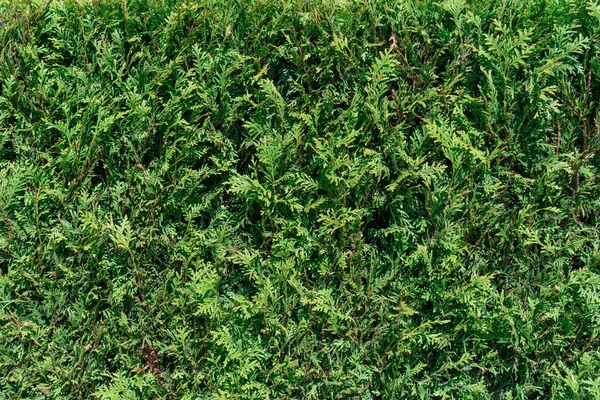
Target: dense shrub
[{"x": 323, "y": 199}]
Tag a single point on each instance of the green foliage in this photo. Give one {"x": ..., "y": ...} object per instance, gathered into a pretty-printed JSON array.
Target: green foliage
[{"x": 314, "y": 200}]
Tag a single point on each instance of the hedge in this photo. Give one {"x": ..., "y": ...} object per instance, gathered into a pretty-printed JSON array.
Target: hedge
[{"x": 324, "y": 199}]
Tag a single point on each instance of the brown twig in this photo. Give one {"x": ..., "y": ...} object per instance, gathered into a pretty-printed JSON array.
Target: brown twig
[{"x": 8, "y": 223}]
